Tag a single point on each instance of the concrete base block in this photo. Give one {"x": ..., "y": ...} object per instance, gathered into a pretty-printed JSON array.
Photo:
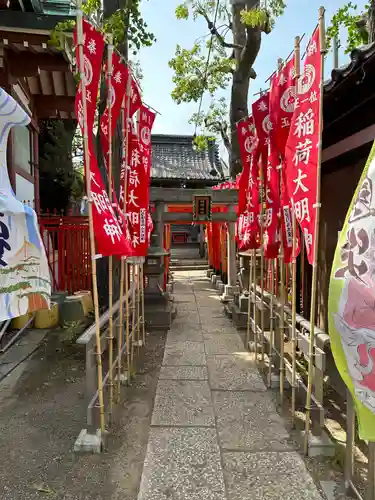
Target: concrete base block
[
  {"x": 221, "y": 288},
  {"x": 320, "y": 446},
  {"x": 159, "y": 314},
  {"x": 138, "y": 343},
  {"x": 229, "y": 292},
  {"x": 88, "y": 443},
  {"x": 218, "y": 283},
  {"x": 239, "y": 318},
  {"x": 209, "y": 273},
  {"x": 214, "y": 278},
  {"x": 124, "y": 378}
]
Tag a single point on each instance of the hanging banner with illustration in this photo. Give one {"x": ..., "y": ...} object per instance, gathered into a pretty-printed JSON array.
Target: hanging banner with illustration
[
  {"x": 351, "y": 303},
  {"x": 25, "y": 283}
]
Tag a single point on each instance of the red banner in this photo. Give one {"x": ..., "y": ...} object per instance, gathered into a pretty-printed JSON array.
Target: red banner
[
  {"x": 282, "y": 103},
  {"x": 109, "y": 236},
  {"x": 146, "y": 121},
  {"x": 118, "y": 87},
  {"x": 302, "y": 145},
  {"x": 93, "y": 49},
  {"x": 247, "y": 142},
  {"x": 263, "y": 124}
]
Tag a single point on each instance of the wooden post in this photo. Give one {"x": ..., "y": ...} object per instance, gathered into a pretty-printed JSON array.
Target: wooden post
[
  {"x": 316, "y": 241},
  {"x": 124, "y": 282},
  {"x": 297, "y": 57},
  {"x": 110, "y": 259},
  {"x": 91, "y": 225}
]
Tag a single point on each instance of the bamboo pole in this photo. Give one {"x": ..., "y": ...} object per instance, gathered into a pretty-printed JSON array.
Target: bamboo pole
[
  {"x": 139, "y": 341},
  {"x": 124, "y": 283},
  {"x": 272, "y": 333},
  {"x": 316, "y": 241},
  {"x": 262, "y": 258},
  {"x": 297, "y": 64},
  {"x": 91, "y": 224},
  {"x": 282, "y": 315},
  {"x": 255, "y": 305},
  {"x": 133, "y": 312},
  {"x": 110, "y": 259},
  {"x": 249, "y": 304},
  {"x": 143, "y": 302}
]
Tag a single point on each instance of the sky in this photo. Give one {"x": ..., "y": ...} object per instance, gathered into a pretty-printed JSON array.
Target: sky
[{"x": 301, "y": 16}]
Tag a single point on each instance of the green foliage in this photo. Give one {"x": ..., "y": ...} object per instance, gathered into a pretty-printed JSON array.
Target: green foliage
[
  {"x": 57, "y": 35},
  {"x": 255, "y": 17},
  {"x": 126, "y": 25},
  {"x": 212, "y": 123},
  {"x": 193, "y": 76},
  {"x": 347, "y": 17}
]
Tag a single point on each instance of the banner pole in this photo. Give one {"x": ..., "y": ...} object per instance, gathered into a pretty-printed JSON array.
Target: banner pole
[
  {"x": 316, "y": 230},
  {"x": 255, "y": 305},
  {"x": 110, "y": 258},
  {"x": 143, "y": 303},
  {"x": 282, "y": 312},
  {"x": 249, "y": 302},
  {"x": 297, "y": 65},
  {"x": 272, "y": 333},
  {"x": 91, "y": 224},
  {"x": 262, "y": 267},
  {"x": 124, "y": 281}
]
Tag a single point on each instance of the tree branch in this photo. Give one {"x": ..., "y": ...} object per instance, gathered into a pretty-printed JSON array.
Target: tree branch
[{"x": 220, "y": 38}]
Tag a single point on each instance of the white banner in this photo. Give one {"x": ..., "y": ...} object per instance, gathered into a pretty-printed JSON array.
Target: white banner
[{"x": 25, "y": 284}]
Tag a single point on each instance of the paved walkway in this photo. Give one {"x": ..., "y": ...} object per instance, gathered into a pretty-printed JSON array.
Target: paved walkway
[{"x": 215, "y": 434}]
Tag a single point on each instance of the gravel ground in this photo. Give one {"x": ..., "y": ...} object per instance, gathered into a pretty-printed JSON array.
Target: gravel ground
[{"x": 43, "y": 415}]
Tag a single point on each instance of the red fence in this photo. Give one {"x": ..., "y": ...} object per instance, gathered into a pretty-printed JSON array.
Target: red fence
[{"x": 67, "y": 243}]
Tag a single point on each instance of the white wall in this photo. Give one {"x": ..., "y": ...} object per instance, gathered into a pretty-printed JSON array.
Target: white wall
[{"x": 24, "y": 189}]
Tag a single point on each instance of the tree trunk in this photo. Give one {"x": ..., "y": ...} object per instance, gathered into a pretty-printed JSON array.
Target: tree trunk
[
  {"x": 249, "y": 39},
  {"x": 371, "y": 22}
]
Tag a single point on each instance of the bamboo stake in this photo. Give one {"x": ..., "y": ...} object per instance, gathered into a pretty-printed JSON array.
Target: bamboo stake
[
  {"x": 316, "y": 242},
  {"x": 297, "y": 55},
  {"x": 133, "y": 313},
  {"x": 127, "y": 313},
  {"x": 272, "y": 333},
  {"x": 125, "y": 112},
  {"x": 110, "y": 259},
  {"x": 143, "y": 302},
  {"x": 282, "y": 316},
  {"x": 255, "y": 305},
  {"x": 249, "y": 303},
  {"x": 139, "y": 341},
  {"x": 91, "y": 224},
  {"x": 262, "y": 259}
]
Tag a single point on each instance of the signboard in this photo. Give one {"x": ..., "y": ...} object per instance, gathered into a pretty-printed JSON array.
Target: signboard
[{"x": 202, "y": 208}]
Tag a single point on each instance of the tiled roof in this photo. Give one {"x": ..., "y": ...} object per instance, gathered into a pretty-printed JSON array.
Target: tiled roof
[
  {"x": 358, "y": 56},
  {"x": 174, "y": 157}
]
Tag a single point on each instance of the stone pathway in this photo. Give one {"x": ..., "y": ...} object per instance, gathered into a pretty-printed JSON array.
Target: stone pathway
[{"x": 215, "y": 434}]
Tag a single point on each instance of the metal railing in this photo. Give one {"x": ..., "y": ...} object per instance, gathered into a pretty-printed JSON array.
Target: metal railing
[{"x": 324, "y": 369}]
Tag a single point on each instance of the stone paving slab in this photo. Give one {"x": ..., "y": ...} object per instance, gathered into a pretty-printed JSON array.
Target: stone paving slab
[
  {"x": 248, "y": 421},
  {"x": 222, "y": 344},
  {"x": 184, "y": 335},
  {"x": 268, "y": 476},
  {"x": 183, "y": 373},
  {"x": 184, "y": 296},
  {"x": 234, "y": 373},
  {"x": 216, "y": 329},
  {"x": 182, "y": 464},
  {"x": 183, "y": 403},
  {"x": 184, "y": 353}
]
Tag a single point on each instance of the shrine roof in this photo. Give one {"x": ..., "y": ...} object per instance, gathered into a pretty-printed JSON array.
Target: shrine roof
[
  {"x": 174, "y": 157},
  {"x": 357, "y": 58}
]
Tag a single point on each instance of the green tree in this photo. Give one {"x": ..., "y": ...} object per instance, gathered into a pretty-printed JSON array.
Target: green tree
[
  {"x": 358, "y": 25},
  {"x": 235, "y": 33}
]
